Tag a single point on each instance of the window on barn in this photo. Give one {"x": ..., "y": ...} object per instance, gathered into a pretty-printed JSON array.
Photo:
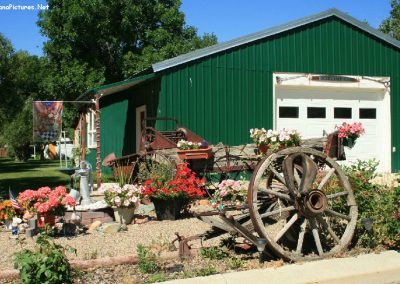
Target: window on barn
[
  {"x": 91, "y": 129},
  {"x": 367, "y": 113},
  {"x": 316, "y": 112},
  {"x": 288, "y": 112},
  {"x": 342, "y": 112}
]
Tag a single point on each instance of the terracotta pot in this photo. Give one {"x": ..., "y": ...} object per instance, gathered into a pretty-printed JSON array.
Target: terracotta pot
[
  {"x": 195, "y": 154},
  {"x": 263, "y": 148},
  {"x": 123, "y": 215},
  {"x": 43, "y": 219}
]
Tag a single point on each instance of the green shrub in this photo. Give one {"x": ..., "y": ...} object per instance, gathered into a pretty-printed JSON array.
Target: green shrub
[
  {"x": 213, "y": 253},
  {"x": 378, "y": 202},
  {"x": 46, "y": 264},
  {"x": 205, "y": 271},
  {"x": 147, "y": 260}
]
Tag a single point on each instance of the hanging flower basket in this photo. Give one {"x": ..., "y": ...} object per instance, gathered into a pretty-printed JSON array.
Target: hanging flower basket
[
  {"x": 195, "y": 154},
  {"x": 349, "y": 142}
]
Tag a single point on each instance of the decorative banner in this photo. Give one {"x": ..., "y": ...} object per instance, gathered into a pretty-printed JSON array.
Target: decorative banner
[{"x": 46, "y": 121}]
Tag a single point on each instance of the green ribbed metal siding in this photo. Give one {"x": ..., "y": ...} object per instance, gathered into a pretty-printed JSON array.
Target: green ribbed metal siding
[
  {"x": 221, "y": 96},
  {"x": 118, "y": 118}
]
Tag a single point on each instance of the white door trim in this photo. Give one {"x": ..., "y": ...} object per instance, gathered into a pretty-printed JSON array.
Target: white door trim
[{"x": 138, "y": 128}]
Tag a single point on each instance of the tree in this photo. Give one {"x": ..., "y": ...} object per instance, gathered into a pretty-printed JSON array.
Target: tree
[
  {"x": 104, "y": 41},
  {"x": 391, "y": 25},
  {"x": 18, "y": 133},
  {"x": 6, "y": 85}
]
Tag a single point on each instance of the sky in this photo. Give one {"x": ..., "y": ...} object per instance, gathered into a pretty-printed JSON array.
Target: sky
[{"x": 227, "y": 19}]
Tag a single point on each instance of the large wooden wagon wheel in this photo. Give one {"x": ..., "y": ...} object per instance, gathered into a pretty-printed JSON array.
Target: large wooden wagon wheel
[{"x": 311, "y": 212}]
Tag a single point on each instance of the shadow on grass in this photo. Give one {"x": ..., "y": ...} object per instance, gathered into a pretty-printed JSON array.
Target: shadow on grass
[
  {"x": 11, "y": 166},
  {"x": 18, "y": 185}
]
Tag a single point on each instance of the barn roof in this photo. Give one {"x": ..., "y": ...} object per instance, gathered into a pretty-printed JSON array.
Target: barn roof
[
  {"x": 201, "y": 53},
  {"x": 197, "y": 54}
]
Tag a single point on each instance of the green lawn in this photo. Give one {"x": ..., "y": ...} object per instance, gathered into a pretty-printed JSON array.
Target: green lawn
[{"x": 30, "y": 175}]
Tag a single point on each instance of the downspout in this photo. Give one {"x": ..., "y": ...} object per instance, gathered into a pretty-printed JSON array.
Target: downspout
[{"x": 98, "y": 162}]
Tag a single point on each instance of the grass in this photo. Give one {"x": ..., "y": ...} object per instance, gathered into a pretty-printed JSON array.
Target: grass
[{"x": 33, "y": 174}]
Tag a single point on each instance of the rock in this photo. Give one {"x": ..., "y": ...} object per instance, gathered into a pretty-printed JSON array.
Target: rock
[
  {"x": 130, "y": 280},
  {"x": 110, "y": 228},
  {"x": 141, "y": 220},
  {"x": 94, "y": 226},
  {"x": 145, "y": 209}
]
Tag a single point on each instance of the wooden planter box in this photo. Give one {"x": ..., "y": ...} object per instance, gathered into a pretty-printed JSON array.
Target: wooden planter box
[{"x": 195, "y": 154}]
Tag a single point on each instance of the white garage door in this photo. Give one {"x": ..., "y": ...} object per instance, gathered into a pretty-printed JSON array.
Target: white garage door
[{"x": 315, "y": 110}]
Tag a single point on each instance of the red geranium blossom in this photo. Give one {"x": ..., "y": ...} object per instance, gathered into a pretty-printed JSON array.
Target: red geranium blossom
[{"x": 185, "y": 184}]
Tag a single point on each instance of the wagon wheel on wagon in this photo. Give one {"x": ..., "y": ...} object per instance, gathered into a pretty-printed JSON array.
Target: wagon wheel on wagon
[
  {"x": 145, "y": 163},
  {"x": 311, "y": 210},
  {"x": 225, "y": 165}
]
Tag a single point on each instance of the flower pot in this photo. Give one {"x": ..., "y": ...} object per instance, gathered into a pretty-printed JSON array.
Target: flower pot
[
  {"x": 263, "y": 148},
  {"x": 8, "y": 224},
  {"x": 349, "y": 142},
  {"x": 195, "y": 154},
  {"x": 43, "y": 219},
  {"x": 123, "y": 215},
  {"x": 169, "y": 209}
]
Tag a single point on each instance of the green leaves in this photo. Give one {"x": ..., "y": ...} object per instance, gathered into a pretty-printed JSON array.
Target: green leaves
[
  {"x": 391, "y": 25},
  {"x": 46, "y": 264}
]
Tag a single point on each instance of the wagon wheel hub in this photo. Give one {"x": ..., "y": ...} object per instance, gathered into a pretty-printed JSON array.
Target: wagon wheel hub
[{"x": 312, "y": 203}]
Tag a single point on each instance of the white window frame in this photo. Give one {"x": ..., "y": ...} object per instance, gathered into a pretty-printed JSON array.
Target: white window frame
[{"x": 91, "y": 129}]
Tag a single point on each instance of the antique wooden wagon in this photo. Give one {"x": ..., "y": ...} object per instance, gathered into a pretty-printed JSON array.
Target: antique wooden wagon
[{"x": 300, "y": 205}]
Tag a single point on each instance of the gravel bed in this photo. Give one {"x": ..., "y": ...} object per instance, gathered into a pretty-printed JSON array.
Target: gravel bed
[{"x": 99, "y": 245}]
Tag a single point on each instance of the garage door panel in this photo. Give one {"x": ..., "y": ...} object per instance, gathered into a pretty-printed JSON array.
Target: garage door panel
[{"x": 367, "y": 147}]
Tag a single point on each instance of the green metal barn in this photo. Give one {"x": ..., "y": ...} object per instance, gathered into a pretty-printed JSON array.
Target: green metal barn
[{"x": 309, "y": 74}]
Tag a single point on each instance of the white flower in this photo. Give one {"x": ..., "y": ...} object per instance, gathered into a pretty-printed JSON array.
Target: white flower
[
  {"x": 127, "y": 203},
  {"x": 273, "y": 139}
]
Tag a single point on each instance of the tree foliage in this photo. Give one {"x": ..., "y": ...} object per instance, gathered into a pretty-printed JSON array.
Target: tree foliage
[
  {"x": 391, "y": 25},
  {"x": 90, "y": 43},
  {"x": 109, "y": 40}
]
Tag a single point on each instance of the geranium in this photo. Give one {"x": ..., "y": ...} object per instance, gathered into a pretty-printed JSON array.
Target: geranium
[
  {"x": 45, "y": 200},
  {"x": 230, "y": 191},
  {"x": 7, "y": 211},
  {"x": 354, "y": 130},
  {"x": 125, "y": 196},
  {"x": 184, "y": 185},
  {"x": 275, "y": 139}
]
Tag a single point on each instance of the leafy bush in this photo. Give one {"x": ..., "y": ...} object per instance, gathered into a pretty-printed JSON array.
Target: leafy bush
[
  {"x": 378, "y": 202},
  {"x": 213, "y": 253},
  {"x": 46, "y": 264},
  {"x": 147, "y": 260}
]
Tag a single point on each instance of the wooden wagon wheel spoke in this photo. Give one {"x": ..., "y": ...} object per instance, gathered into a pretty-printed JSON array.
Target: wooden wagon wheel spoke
[
  {"x": 277, "y": 175},
  {"x": 338, "y": 194},
  {"x": 325, "y": 179},
  {"x": 301, "y": 237},
  {"x": 326, "y": 226},
  {"x": 315, "y": 234},
  {"x": 277, "y": 194},
  {"x": 277, "y": 211},
  {"x": 337, "y": 214},
  {"x": 309, "y": 218},
  {"x": 286, "y": 227}
]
